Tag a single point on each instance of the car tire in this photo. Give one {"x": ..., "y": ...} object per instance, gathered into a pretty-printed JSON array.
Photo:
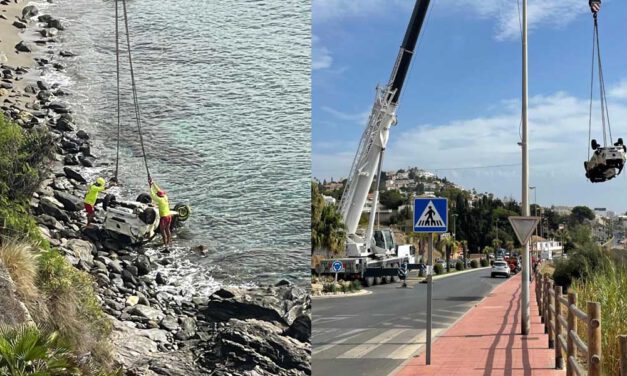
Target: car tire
[
  {"x": 144, "y": 198},
  {"x": 109, "y": 201},
  {"x": 492, "y": 275},
  {"x": 148, "y": 216}
]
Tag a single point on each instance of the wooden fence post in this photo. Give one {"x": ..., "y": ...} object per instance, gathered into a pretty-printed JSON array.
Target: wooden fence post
[
  {"x": 623, "y": 354},
  {"x": 545, "y": 304},
  {"x": 559, "y": 361},
  {"x": 572, "y": 325},
  {"x": 594, "y": 339},
  {"x": 539, "y": 282},
  {"x": 550, "y": 317}
]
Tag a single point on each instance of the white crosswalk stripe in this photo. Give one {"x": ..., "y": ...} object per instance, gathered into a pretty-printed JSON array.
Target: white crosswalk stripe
[{"x": 360, "y": 350}]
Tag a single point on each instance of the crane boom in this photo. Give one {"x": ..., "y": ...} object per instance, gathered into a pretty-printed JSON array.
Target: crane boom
[{"x": 382, "y": 117}]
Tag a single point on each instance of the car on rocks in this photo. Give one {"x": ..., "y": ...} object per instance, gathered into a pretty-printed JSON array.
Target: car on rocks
[{"x": 137, "y": 222}]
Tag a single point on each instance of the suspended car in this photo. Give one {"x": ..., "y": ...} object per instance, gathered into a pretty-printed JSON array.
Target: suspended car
[
  {"x": 606, "y": 162},
  {"x": 137, "y": 222}
]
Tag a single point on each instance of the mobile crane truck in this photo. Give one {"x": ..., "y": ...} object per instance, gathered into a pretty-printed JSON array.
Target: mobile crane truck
[{"x": 376, "y": 257}]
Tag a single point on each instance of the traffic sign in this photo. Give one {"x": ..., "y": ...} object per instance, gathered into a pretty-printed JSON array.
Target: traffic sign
[
  {"x": 523, "y": 227},
  {"x": 430, "y": 215},
  {"x": 337, "y": 266}
]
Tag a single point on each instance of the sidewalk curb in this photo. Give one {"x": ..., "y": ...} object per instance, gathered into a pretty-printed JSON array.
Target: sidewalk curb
[
  {"x": 436, "y": 277},
  {"x": 361, "y": 292},
  {"x": 421, "y": 348}
]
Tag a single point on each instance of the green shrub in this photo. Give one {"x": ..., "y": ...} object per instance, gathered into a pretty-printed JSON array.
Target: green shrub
[
  {"x": 356, "y": 285},
  {"x": 484, "y": 262},
  {"x": 474, "y": 264},
  {"x": 579, "y": 265},
  {"x": 438, "y": 269},
  {"x": 25, "y": 350},
  {"x": 459, "y": 265},
  {"x": 335, "y": 287}
]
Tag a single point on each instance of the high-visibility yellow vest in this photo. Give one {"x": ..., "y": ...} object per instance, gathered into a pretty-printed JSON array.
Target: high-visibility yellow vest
[
  {"x": 92, "y": 194},
  {"x": 162, "y": 202}
]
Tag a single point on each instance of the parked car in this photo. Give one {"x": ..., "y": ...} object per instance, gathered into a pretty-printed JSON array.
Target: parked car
[{"x": 500, "y": 268}]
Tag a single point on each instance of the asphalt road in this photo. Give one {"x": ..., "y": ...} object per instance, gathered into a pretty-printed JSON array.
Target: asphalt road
[{"x": 374, "y": 334}]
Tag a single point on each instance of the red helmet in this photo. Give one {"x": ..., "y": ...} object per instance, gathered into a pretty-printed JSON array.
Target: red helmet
[{"x": 161, "y": 193}]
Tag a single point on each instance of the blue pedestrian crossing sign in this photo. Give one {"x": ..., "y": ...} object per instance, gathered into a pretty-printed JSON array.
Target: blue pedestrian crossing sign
[{"x": 431, "y": 215}]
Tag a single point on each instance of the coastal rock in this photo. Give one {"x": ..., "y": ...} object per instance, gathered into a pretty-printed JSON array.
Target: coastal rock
[
  {"x": 19, "y": 25},
  {"x": 44, "y": 96},
  {"x": 45, "y": 18},
  {"x": 82, "y": 135},
  {"x": 49, "y": 221},
  {"x": 23, "y": 47},
  {"x": 42, "y": 85},
  {"x": 72, "y": 174},
  {"x": 47, "y": 33},
  {"x": 87, "y": 161},
  {"x": 59, "y": 107},
  {"x": 70, "y": 202},
  {"x": 67, "y": 53},
  {"x": 161, "y": 279},
  {"x": 62, "y": 124},
  {"x": 71, "y": 160},
  {"x": 300, "y": 328},
  {"x": 143, "y": 264},
  {"x": 148, "y": 312},
  {"x": 29, "y": 11},
  {"x": 260, "y": 343},
  {"x": 48, "y": 208},
  {"x": 57, "y": 24},
  {"x": 82, "y": 250}
]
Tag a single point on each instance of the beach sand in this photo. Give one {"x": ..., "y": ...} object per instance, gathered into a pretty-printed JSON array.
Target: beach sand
[{"x": 9, "y": 56}]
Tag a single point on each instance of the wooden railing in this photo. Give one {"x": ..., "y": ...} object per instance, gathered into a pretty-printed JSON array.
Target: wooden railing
[{"x": 562, "y": 331}]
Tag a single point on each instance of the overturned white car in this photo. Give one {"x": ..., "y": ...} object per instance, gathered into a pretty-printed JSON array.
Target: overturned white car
[
  {"x": 137, "y": 222},
  {"x": 606, "y": 162}
]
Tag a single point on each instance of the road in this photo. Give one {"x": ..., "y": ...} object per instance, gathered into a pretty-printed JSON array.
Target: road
[{"x": 374, "y": 334}]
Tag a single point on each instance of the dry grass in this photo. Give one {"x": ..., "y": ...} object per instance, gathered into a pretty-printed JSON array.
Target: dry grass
[
  {"x": 20, "y": 259},
  {"x": 606, "y": 286}
]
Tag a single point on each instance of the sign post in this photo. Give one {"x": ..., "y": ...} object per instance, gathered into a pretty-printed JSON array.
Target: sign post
[
  {"x": 524, "y": 227},
  {"x": 337, "y": 267},
  {"x": 430, "y": 217}
]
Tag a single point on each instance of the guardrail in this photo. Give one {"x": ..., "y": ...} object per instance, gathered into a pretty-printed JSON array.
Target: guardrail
[{"x": 562, "y": 331}]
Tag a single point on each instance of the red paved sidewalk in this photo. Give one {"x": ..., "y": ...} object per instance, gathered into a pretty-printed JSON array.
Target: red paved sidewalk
[{"x": 486, "y": 341}]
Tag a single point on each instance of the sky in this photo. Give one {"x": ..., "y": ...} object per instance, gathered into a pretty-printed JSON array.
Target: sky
[{"x": 461, "y": 103}]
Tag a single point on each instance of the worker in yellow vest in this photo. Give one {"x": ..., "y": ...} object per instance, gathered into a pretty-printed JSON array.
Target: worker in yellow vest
[
  {"x": 161, "y": 199},
  {"x": 92, "y": 196}
]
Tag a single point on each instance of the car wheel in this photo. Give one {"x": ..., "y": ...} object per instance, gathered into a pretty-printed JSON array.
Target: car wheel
[
  {"x": 183, "y": 212},
  {"x": 109, "y": 201},
  {"x": 492, "y": 275},
  {"x": 144, "y": 198}
]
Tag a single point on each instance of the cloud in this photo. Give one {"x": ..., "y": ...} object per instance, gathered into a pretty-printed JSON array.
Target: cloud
[
  {"x": 558, "y": 142},
  {"x": 619, "y": 91},
  {"x": 320, "y": 56},
  {"x": 360, "y": 117},
  {"x": 505, "y": 14}
]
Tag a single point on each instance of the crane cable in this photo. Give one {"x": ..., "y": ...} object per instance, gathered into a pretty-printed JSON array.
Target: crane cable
[
  {"x": 605, "y": 117},
  {"x": 133, "y": 87}
]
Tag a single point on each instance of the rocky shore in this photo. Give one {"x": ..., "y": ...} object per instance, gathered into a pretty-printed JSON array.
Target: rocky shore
[{"x": 234, "y": 331}]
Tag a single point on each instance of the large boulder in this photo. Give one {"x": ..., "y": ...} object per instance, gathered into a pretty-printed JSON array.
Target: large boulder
[
  {"x": 29, "y": 11},
  {"x": 69, "y": 201},
  {"x": 72, "y": 174},
  {"x": 300, "y": 328},
  {"x": 148, "y": 312},
  {"x": 82, "y": 250},
  {"x": 47, "y": 207},
  {"x": 143, "y": 265},
  {"x": 23, "y": 47},
  {"x": 259, "y": 343}
]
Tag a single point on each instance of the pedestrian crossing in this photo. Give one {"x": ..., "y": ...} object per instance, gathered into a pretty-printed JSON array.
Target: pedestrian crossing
[{"x": 393, "y": 339}]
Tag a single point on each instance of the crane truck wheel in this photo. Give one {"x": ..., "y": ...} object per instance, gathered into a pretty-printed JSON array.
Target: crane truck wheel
[
  {"x": 387, "y": 279},
  {"x": 377, "y": 280},
  {"x": 393, "y": 277},
  {"x": 368, "y": 281},
  {"x": 144, "y": 198}
]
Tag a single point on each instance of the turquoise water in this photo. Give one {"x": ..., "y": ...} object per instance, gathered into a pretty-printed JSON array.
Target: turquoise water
[{"x": 224, "y": 89}]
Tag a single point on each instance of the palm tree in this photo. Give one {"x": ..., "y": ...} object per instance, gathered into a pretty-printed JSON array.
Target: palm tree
[
  {"x": 445, "y": 246},
  {"x": 327, "y": 227},
  {"x": 24, "y": 350},
  {"x": 509, "y": 245}
]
